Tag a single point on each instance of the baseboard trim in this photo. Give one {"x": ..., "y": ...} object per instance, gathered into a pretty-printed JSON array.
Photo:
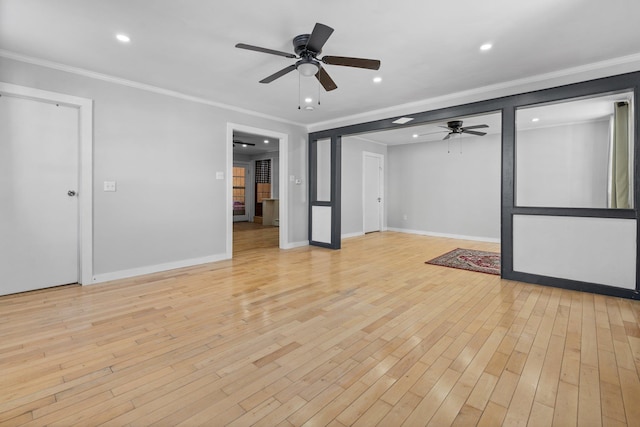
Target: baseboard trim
[
  {"x": 446, "y": 235},
  {"x": 350, "y": 235},
  {"x": 133, "y": 272},
  {"x": 293, "y": 245}
]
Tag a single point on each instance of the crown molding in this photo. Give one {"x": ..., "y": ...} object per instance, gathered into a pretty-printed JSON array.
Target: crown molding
[
  {"x": 605, "y": 68},
  {"x": 137, "y": 85}
]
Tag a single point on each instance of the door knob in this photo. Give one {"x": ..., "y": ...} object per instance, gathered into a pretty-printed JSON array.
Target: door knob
[{"x": 71, "y": 193}]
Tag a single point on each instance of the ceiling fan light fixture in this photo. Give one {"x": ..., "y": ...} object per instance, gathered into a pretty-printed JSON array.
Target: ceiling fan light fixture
[
  {"x": 486, "y": 46},
  {"x": 307, "y": 68}
]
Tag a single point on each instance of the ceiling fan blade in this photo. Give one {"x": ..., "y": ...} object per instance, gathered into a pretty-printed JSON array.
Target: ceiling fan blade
[
  {"x": 325, "y": 80},
  {"x": 431, "y": 133},
  {"x": 279, "y": 74},
  {"x": 475, "y": 127},
  {"x": 370, "y": 64},
  {"x": 265, "y": 50},
  {"x": 245, "y": 143},
  {"x": 473, "y": 132},
  {"x": 447, "y": 137},
  {"x": 318, "y": 37}
]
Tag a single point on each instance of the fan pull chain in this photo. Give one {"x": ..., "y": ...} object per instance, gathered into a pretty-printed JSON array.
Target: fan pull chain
[
  {"x": 318, "y": 91},
  {"x": 298, "y": 91}
]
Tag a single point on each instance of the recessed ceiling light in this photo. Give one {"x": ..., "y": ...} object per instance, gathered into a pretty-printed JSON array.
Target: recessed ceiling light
[
  {"x": 266, "y": 141},
  {"x": 377, "y": 79},
  {"x": 308, "y": 100},
  {"x": 486, "y": 46},
  {"x": 308, "y": 108},
  {"x": 244, "y": 145},
  {"x": 415, "y": 135},
  {"x": 123, "y": 38},
  {"x": 535, "y": 119},
  {"x": 402, "y": 120}
]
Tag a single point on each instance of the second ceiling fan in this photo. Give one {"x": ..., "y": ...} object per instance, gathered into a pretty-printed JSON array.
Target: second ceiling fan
[
  {"x": 307, "y": 47},
  {"x": 454, "y": 127}
]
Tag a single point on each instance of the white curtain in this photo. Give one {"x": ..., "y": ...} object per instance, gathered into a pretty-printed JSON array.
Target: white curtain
[{"x": 619, "y": 193}]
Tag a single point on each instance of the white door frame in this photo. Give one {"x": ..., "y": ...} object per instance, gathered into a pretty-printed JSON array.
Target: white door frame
[
  {"x": 380, "y": 157},
  {"x": 283, "y": 190},
  {"x": 85, "y": 167}
]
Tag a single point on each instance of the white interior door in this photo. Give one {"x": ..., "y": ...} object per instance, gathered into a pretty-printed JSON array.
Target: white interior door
[
  {"x": 372, "y": 192},
  {"x": 38, "y": 201}
]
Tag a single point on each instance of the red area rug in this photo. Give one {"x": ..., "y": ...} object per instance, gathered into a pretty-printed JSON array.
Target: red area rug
[{"x": 470, "y": 259}]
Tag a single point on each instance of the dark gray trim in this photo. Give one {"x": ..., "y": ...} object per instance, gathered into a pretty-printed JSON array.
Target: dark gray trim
[
  {"x": 335, "y": 189},
  {"x": 572, "y": 284},
  {"x": 507, "y": 105},
  {"x": 636, "y": 171},
  {"x": 313, "y": 154},
  {"x": 575, "y": 212},
  {"x": 508, "y": 188}
]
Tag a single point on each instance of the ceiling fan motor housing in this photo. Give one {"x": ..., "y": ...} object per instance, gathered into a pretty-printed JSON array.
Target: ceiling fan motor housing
[
  {"x": 300, "y": 46},
  {"x": 455, "y": 126}
]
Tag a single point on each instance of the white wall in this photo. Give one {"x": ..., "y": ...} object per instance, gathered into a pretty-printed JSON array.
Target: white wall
[
  {"x": 563, "y": 166},
  {"x": 352, "y": 185},
  {"x": 164, "y": 153},
  {"x": 454, "y": 194}
]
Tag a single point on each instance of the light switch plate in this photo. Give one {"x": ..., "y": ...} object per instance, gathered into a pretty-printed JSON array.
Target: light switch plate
[
  {"x": 219, "y": 175},
  {"x": 109, "y": 186}
]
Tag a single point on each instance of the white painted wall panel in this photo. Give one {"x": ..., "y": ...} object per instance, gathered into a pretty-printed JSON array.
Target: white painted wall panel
[
  {"x": 596, "y": 250},
  {"x": 321, "y": 220}
]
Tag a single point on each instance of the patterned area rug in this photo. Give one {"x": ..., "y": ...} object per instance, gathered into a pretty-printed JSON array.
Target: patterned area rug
[{"x": 469, "y": 259}]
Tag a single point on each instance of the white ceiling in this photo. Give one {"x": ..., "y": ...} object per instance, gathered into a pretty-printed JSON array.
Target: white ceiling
[
  {"x": 427, "y": 49},
  {"x": 251, "y": 144}
]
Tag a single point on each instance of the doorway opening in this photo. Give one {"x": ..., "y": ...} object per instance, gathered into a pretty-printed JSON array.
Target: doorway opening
[
  {"x": 431, "y": 179},
  {"x": 258, "y": 198}
]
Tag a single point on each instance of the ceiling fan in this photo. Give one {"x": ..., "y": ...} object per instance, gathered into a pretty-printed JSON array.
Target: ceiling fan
[
  {"x": 454, "y": 127},
  {"x": 307, "y": 47},
  {"x": 244, "y": 144}
]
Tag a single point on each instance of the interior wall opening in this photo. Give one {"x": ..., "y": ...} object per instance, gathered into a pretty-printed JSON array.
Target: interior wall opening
[
  {"x": 441, "y": 178},
  {"x": 256, "y": 192}
]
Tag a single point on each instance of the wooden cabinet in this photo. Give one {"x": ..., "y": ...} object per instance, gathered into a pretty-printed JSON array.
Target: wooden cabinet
[{"x": 270, "y": 211}]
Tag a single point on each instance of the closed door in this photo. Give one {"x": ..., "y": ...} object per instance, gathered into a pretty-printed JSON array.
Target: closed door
[
  {"x": 38, "y": 200},
  {"x": 372, "y": 193}
]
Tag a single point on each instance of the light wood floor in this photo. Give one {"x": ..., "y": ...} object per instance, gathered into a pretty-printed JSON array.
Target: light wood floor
[{"x": 365, "y": 336}]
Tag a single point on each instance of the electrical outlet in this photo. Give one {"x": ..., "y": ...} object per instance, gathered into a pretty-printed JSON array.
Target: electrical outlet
[
  {"x": 404, "y": 217},
  {"x": 109, "y": 186}
]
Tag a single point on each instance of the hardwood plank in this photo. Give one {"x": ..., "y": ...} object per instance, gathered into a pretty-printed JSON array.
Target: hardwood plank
[{"x": 368, "y": 335}]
